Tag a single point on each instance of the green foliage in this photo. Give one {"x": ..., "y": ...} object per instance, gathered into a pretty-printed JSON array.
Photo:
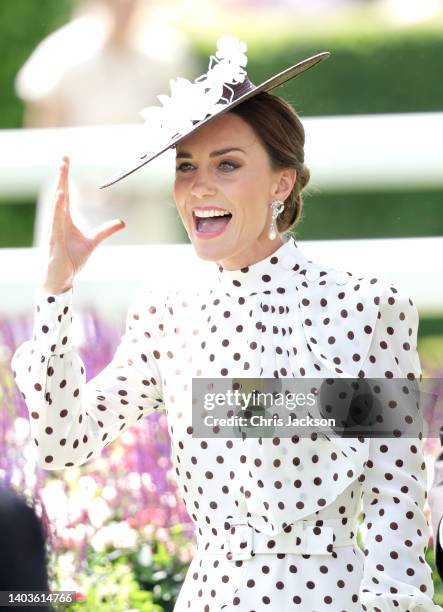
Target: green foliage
[
  {"x": 146, "y": 577},
  {"x": 165, "y": 574},
  {"x": 16, "y": 224},
  {"x": 438, "y": 584},
  {"x": 23, "y": 25},
  {"x": 381, "y": 71},
  {"x": 112, "y": 586},
  {"x": 337, "y": 216}
]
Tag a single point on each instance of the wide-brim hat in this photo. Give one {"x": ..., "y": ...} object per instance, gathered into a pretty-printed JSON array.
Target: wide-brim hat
[{"x": 194, "y": 104}]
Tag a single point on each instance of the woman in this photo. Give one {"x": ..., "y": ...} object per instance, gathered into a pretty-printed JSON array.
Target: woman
[{"x": 276, "y": 517}]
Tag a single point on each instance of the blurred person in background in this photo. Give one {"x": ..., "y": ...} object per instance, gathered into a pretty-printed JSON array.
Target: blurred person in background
[
  {"x": 101, "y": 68},
  {"x": 22, "y": 546}
]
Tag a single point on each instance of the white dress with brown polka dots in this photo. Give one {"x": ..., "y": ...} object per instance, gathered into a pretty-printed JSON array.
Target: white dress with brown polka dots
[{"x": 285, "y": 316}]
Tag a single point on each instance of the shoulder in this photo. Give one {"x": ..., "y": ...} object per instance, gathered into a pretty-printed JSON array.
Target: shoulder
[
  {"x": 358, "y": 289},
  {"x": 344, "y": 312},
  {"x": 361, "y": 296},
  {"x": 339, "y": 292}
]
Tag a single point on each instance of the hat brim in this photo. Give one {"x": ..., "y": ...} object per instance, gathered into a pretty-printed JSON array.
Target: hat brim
[{"x": 271, "y": 83}]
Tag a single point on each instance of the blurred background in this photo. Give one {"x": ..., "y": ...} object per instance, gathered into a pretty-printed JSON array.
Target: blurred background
[
  {"x": 374, "y": 121},
  {"x": 386, "y": 59}
]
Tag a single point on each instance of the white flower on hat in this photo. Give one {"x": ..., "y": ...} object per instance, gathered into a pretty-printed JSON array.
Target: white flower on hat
[
  {"x": 191, "y": 102},
  {"x": 226, "y": 67},
  {"x": 232, "y": 49},
  {"x": 187, "y": 103},
  {"x": 156, "y": 126}
]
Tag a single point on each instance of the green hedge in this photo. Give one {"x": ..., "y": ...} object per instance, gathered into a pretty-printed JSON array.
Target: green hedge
[
  {"x": 325, "y": 217},
  {"x": 23, "y": 24},
  {"x": 376, "y": 71}
]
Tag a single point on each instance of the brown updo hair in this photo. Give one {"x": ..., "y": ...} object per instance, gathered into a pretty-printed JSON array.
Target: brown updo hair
[{"x": 281, "y": 132}]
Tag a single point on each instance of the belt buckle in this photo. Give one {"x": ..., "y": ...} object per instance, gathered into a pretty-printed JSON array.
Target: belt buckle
[{"x": 240, "y": 542}]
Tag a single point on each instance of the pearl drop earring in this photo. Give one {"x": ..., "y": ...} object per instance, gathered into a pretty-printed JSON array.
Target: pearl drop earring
[{"x": 277, "y": 207}]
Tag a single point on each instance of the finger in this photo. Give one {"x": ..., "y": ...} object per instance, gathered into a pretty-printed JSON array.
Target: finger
[
  {"x": 59, "y": 209},
  {"x": 63, "y": 185},
  {"x": 57, "y": 221},
  {"x": 64, "y": 173},
  {"x": 107, "y": 229},
  {"x": 59, "y": 187},
  {"x": 61, "y": 171}
]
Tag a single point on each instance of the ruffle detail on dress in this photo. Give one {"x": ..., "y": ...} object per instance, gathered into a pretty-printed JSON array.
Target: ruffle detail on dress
[{"x": 299, "y": 462}]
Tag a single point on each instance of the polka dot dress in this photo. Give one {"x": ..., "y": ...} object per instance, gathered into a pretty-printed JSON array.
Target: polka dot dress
[{"x": 295, "y": 499}]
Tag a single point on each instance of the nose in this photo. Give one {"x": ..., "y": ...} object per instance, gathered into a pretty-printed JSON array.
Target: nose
[{"x": 202, "y": 187}]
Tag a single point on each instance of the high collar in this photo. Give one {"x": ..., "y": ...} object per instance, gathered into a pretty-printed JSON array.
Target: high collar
[{"x": 265, "y": 274}]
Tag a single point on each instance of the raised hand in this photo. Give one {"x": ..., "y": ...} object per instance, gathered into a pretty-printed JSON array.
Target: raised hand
[{"x": 68, "y": 247}]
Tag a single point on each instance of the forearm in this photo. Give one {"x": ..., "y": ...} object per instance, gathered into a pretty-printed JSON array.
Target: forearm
[{"x": 71, "y": 420}]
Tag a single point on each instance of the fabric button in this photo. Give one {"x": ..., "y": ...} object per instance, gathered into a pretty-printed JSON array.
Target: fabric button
[
  {"x": 312, "y": 274},
  {"x": 342, "y": 278},
  {"x": 288, "y": 262}
]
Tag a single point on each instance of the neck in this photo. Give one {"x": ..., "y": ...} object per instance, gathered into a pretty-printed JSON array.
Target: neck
[{"x": 252, "y": 254}]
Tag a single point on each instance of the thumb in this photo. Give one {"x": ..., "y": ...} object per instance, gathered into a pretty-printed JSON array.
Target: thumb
[{"x": 106, "y": 229}]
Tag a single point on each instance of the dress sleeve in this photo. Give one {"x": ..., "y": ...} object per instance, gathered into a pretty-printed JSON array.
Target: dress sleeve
[
  {"x": 396, "y": 575},
  {"x": 71, "y": 421}
]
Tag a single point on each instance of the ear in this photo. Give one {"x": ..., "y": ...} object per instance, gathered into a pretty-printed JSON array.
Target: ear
[{"x": 284, "y": 183}]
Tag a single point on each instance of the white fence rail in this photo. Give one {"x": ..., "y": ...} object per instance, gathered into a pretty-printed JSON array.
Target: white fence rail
[{"x": 356, "y": 153}]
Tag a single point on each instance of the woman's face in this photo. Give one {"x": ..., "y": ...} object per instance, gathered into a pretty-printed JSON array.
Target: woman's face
[{"x": 224, "y": 168}]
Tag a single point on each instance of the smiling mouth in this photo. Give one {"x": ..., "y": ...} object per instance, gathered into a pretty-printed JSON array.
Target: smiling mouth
[{"x": 210, "y": 226}]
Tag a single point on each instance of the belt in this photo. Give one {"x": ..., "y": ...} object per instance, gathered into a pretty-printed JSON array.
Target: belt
[{"x": 302, "y": 537}]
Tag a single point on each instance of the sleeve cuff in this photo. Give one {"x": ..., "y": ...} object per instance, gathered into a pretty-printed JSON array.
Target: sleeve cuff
[{"x": 52, "y": 321}]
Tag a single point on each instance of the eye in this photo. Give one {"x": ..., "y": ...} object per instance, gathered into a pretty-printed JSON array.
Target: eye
[
  {"x": 184, "y": 167},
  {"x": 228, "y": 165},
  {"x": 225, "y": 165}
]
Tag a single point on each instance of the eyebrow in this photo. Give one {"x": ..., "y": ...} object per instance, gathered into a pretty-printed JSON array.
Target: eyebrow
[{"x": 213, "y": 154}]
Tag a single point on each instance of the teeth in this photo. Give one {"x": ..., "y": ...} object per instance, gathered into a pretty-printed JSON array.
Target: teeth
[{"x": 211, "y": 213}]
